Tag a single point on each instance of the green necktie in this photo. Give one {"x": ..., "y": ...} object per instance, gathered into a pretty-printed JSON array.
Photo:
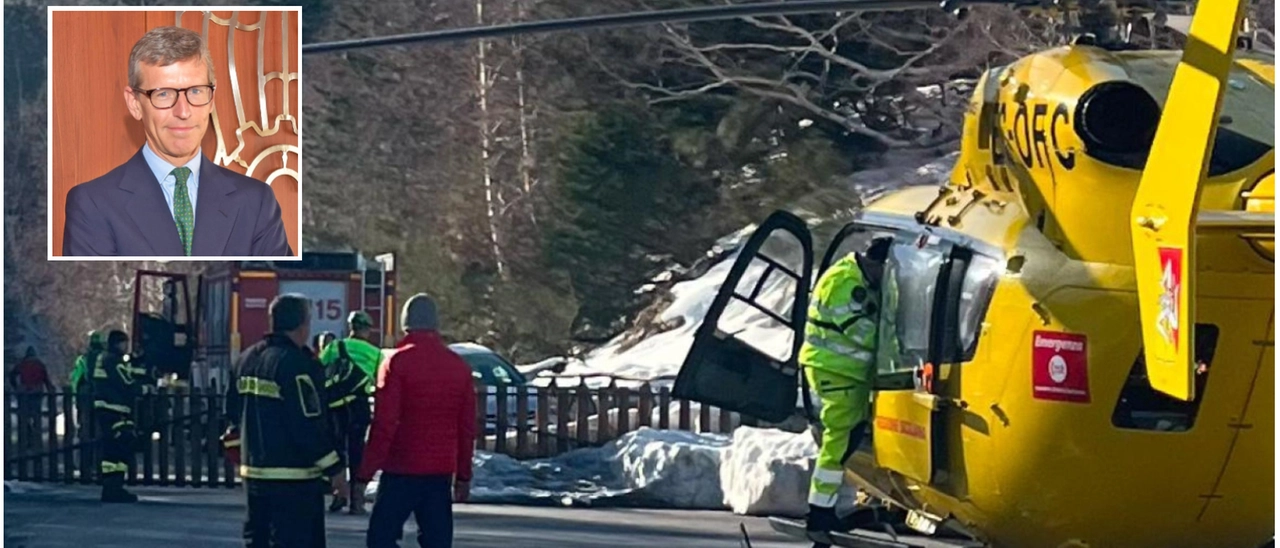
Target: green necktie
[{"x": 182, "y": 212}]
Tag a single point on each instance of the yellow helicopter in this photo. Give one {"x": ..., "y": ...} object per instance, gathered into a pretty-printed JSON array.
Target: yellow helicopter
[{"x": 1085, "y": 327}]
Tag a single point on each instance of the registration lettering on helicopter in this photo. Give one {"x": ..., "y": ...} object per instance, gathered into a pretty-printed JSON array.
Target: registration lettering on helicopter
[
  {"x": 1060, "y": 367},
  {"x": 1034, "y": 129}
]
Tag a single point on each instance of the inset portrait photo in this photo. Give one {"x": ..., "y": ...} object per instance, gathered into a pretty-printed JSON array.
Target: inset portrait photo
[{"x": 174, "y": 134}]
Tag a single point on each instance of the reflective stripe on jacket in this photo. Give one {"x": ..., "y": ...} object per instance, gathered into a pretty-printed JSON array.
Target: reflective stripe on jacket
[
  {"x": 363, "y": 355},
  {"x": 115, "y": 382},
  {"x": 840, "y": 335},
  {"x": 278, "y": 404},
  {"x": 347, "y": 365}
]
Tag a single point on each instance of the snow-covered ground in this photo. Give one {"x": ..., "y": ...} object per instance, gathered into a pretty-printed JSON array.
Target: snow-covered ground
[{"x": 15, "y": 486}]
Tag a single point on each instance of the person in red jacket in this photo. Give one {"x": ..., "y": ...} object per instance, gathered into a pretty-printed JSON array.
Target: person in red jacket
[
  {"x": 30, "y": 381},
  {"x": 423, "y": 434}
]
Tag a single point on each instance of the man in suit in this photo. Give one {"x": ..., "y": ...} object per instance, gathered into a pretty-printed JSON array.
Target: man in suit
[{"x": 169, "y": 199}]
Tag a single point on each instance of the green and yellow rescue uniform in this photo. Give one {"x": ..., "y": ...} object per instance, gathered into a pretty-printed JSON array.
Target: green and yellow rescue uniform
[
  {"x": 351, "y": 364},
  {"x": 115, "y": 389},
  {"x": 82, "y": 380},
  {"x": 839, "y": 356},
  {"x": 80, "y": 377},
  {"x": 346, "y": 380}
]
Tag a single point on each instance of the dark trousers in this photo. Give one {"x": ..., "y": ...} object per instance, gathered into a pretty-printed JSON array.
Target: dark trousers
[
  {"x": 350, "y": 426},
  {"x": 86, "y": 434},
  {"x": 428, "y": 498},
  {"x": 117, "y": 448},
  {"x": 29, "y": 411},
  {"x": 284, "y": 514}
]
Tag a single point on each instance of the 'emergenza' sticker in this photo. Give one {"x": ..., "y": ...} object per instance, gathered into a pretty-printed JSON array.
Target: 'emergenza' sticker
[{"x": 1060, "y": 367}]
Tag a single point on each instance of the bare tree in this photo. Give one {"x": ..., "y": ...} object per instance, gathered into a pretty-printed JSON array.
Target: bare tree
[
  {"x": 486, "y": 139},
  {"x": 527, "y": 180},
  {"x": 863, "y": 72}
]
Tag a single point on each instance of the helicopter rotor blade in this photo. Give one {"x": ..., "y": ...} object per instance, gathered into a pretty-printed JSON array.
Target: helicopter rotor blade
[
  {"x": 1168, "y": 197},
  {"x": 681, "y": 15}
]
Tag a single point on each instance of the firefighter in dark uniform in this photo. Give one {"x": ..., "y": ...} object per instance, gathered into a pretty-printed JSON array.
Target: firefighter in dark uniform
[
  {"x": 286, "y": 446},
  {"x": 115, "y": 390}
]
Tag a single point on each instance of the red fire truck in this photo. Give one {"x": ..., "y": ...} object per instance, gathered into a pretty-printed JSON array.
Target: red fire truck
[{"x": 200, "y": 344}]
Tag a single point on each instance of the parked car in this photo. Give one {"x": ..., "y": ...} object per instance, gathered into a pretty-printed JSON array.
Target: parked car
[{"x": 491, "y": 370}]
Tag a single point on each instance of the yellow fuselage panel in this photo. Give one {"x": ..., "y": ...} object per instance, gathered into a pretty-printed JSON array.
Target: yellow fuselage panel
[
  {"x": 1029, "y": 472},
  {"x": 1030, "y": 148},
  {"x": 1262, "y": 199}
]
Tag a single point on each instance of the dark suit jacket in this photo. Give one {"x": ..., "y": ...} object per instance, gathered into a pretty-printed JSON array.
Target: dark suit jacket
[{"x": 124, "y": 213}]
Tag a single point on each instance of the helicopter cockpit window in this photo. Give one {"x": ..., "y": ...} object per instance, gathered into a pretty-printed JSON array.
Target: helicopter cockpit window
[
  {"x": 975, "y": 294},
  {"x": 1246, "y": 127},
  {"x": 907, "y": 294}
]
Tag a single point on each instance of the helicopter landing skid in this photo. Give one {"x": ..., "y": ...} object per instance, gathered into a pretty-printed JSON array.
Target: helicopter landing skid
[{"x": 865, "y": 538}]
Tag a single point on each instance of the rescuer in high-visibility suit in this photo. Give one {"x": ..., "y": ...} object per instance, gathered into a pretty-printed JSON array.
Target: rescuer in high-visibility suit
[
  {"x": 839, "y": 361},
  {"x": 351, "y": 365},
  {"x": 82, "y": 377},
  {"x": 115, "y": 389}
]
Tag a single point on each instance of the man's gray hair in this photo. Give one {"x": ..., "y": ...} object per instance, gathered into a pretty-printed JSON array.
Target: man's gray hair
[{"x": 164, "y": 46}]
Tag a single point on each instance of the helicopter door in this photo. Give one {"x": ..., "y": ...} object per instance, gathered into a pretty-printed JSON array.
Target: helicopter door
[
  {"x": 914, "y": 293},
  {"x": 1167, "y": 201},
  {"x": 744, "y": 354}
]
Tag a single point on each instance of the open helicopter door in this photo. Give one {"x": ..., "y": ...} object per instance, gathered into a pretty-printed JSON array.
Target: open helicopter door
[
  {"x": 918, "y": 283},
  {"x": 744, "y": 355},
  {"x": 921, "y": 277},
  {"x": 900, "y": 425},
  {"x": 1165, "y": 207}
]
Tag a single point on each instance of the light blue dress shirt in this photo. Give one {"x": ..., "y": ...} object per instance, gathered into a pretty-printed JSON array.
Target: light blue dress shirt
[{"x": 163, "y": 171}]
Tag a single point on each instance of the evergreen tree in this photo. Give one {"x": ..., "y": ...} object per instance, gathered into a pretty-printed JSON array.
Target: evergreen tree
[{"x": 624, "y": 198}]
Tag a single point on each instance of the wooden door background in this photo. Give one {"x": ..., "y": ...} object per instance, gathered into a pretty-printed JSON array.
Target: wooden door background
[{"x": 256, "y": 105}]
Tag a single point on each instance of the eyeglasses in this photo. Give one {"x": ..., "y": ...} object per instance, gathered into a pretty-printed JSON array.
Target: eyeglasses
[{"x": 197, "y": 96}]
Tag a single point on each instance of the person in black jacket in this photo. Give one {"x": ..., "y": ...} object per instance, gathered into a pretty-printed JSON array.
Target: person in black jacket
[
  {"x": 115, "y": 389},
  {"x": 286, "y": 447}
]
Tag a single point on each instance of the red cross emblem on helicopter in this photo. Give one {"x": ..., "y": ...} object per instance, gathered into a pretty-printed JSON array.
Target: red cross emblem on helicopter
[{"x": 1171, "y": 281}]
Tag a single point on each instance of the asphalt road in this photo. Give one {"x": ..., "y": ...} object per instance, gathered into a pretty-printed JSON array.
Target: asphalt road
[{"x": 72, "y": 517}]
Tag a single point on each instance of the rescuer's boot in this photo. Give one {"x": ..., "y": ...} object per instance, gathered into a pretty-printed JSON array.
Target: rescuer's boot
[
  {"x": 119, "y": 496},
  {"x": 339, "y": 502},
  {"x": 113, "y": 490},
  {"x": 861, "y": 517},
  {"x": 357, "y": 501},
  {"x": 823, "y": 519}
]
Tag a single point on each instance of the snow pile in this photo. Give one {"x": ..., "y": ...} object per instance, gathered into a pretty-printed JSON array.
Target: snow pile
[
  {"x": 675, "y": 468},
  {"x": 649, "y": 468},
  {"x": 759, "y": 472},
  {"x": 766, "y": 472},
  {"x": 20, "y": 487}
]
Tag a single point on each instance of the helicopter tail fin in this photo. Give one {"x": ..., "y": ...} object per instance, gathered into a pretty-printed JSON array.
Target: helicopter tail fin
[{"x": 1165, "y": 209}]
